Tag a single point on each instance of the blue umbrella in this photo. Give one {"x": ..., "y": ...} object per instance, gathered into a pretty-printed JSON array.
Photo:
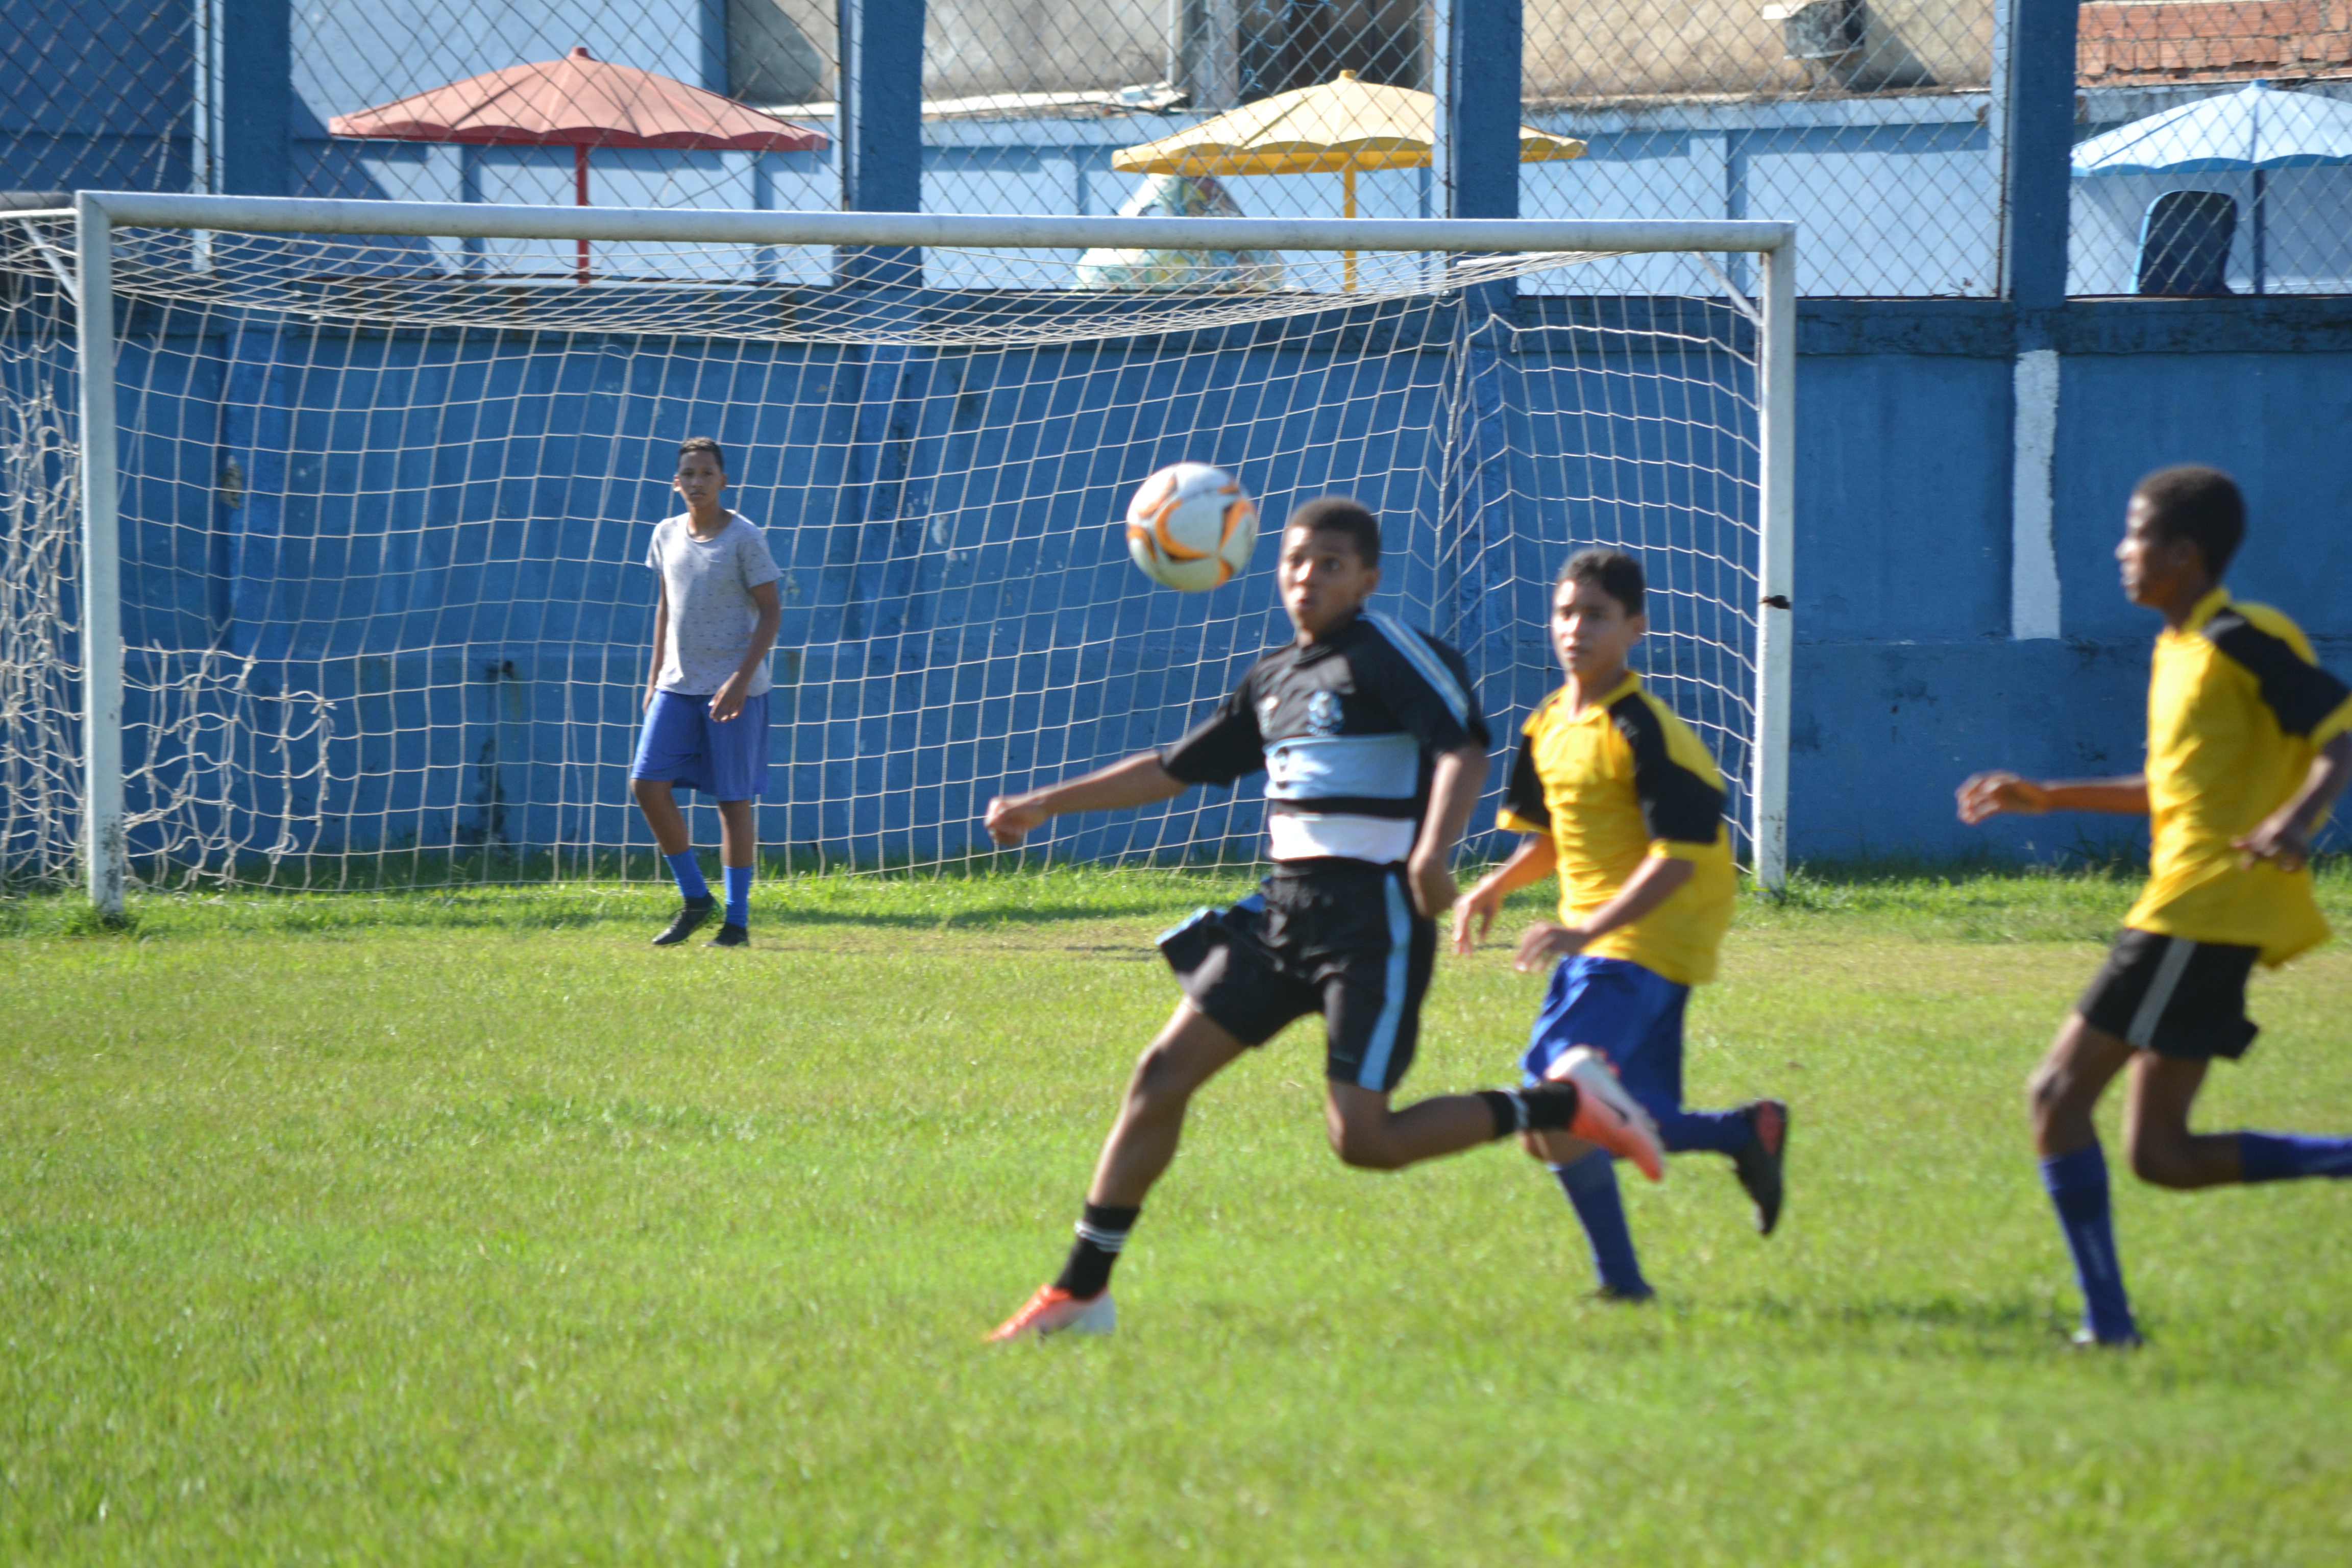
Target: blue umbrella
[{"x": 2256, "y": 129}]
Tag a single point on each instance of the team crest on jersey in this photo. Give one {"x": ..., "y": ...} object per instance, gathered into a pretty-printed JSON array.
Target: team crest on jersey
[{"x": 1323, "y": 713}]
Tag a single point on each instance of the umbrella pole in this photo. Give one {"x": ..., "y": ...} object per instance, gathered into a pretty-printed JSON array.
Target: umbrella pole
[
  {"x": 1348, "y": 209},
  {"x": 580, "y": 197}
]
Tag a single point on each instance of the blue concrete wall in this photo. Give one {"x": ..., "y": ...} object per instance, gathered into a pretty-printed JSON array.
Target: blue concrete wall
[{"x": 1906, "y": 678}]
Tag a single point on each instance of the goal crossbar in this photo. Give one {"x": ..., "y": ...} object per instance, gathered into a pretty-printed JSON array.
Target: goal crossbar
[
  {"x": 98, "y": 212},
  {"x": 479, "y": 220}
]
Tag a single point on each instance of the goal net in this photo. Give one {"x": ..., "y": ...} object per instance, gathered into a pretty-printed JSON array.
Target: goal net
[{"x": 382, "y": 502}]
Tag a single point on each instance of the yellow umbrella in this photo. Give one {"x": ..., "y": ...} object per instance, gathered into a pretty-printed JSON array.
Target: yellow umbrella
[{"x": 1335, "y": 127}]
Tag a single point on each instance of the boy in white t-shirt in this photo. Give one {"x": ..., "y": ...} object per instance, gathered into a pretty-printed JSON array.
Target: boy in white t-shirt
[{"x": 706, "y": 698}]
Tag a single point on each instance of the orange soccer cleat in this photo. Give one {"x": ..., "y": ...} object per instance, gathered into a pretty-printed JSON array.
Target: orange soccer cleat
[
  {"x": 1054, "y": 1311},
  {"x": 1606, "y": 1114}
]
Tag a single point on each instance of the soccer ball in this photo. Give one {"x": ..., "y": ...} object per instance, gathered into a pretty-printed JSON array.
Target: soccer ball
[{"x": 1191, "y": 527}]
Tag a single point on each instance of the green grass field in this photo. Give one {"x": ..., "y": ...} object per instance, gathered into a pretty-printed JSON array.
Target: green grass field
[{"x": 467, "y": 1229}]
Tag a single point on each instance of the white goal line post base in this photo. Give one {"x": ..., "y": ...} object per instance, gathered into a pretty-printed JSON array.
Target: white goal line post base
[{"x": 98, "y": 212}]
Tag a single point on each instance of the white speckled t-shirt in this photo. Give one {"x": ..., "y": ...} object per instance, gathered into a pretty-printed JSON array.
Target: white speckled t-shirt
[{"x": 711, "y": 612}]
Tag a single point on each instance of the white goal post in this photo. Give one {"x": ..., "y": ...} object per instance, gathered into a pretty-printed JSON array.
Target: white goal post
[{"x": 99, "y": 215}]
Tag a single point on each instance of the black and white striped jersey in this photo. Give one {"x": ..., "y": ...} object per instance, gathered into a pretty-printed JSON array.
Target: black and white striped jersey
[{"x": 1347, "y": 729}]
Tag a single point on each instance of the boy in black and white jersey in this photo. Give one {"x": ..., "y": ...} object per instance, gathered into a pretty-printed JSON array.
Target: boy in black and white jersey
[{"x": 1374, "y": 749}]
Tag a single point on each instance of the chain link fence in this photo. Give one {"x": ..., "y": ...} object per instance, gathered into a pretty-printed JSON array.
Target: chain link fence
[
  {"x": 2214, "y": 152},
  {"x": 1865, "y": 120},
  {"x": 94, "y": 93},
  {"x": 1871, "y": 123}
]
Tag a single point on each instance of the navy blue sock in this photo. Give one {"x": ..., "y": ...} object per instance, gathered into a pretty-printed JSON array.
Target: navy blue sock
[
  {"x": 739, "y": 893},
  {"x": 2283, "y": 1156},
  {"x": 1710, "y": 1131},
  {"x": 2077, "y": 1183},
  {"x": 689, "y": 875},
  {"x": 1591, "y": 1184}
]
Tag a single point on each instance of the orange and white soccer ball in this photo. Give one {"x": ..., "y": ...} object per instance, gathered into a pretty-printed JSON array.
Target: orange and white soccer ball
[{"x": 1191, "y": 527}]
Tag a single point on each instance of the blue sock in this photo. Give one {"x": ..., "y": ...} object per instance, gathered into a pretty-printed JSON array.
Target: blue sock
[
  {"x": 739, "y": 894},
  {"x": 2283, "y": 1156},
  {"x": 689, "y": 875},
  {"x": 1591, "y": 1184},
  {"x": 1711, "y": 1132},
  {"x": 2078, "y": 1191}
]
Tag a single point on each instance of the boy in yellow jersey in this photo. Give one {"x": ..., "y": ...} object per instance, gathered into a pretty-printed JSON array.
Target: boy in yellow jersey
[
  {"x": 1619, "y": 797},
  {"x": 2247, "y": 746}
]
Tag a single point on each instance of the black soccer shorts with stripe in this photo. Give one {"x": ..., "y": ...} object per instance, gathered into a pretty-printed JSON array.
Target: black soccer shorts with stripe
[
  {"x": 1331, "y": 936},
  {"x": 2173, "y": 996}
]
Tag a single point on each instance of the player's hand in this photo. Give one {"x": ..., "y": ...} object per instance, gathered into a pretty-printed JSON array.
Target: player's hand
[
  {"x": 2278, "y": 838},
  {"x": 1434, "y": 890},
  {"x": 1990, "y": 794},
  {"x": 1474, "y": 916},
  {"x": 727, "y": 701},
  {"x": 651, "y": 692},
  {"x": 1544, "y": 941},
  {"x": 1012, "y": 817}
]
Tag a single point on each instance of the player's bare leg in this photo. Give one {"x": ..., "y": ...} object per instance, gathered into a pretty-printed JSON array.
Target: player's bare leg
[
  {"x": 1188, "y": 1052},
  {"x": 2156, "y": 1139},
  {"x": 2065, "y": 1088},
  {"x": 1367, "y": 1134},
  {"x": 659, "y": 806},
  {"x": 658, "y": 802},
  {"x": 1579, "y": 1098}
]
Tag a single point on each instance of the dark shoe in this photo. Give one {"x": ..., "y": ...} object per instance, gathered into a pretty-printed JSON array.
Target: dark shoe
[
  {"x": 1760, "y": 1163},
  {"x": 686, "y": 921},
  {"x": 1628, "y": 1298},
  {"x": 730, "y": 935}
]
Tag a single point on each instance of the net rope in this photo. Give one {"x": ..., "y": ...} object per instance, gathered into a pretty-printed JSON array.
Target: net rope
[{"x": 385, "y": 507}]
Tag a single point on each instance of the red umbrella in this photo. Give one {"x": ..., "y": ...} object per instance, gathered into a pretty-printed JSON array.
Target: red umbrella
[{"x": 578, "y": 103}]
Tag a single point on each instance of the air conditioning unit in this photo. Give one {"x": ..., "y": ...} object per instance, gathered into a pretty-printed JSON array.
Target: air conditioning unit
[{"x": 1818, "y": 29}]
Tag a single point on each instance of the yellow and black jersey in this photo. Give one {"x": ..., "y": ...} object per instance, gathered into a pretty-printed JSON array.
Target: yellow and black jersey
[
  {"x": 1622, "y": 780},
  {"x": 2237, "y": 707}
]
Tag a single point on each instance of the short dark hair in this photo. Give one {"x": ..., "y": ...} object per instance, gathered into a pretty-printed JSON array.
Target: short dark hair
[
  {"x": 702, "y": 444},
  {"x": 1613, "y": 572},
  {"x": 2201, "y": 504},
  {"x": 1341, "y": 514}
]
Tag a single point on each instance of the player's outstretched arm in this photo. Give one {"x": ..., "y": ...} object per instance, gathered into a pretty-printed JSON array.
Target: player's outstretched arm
[
  {"x": 1994, "y": 793},
  {"x": 2284, "y": 837},
  {"x": 1140, "y": 780},
  {"x": 1474, "y": 916},
  {"x": 1454, "y": 785}
]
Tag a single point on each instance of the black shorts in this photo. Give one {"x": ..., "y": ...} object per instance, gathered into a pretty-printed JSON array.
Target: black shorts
[
  {"x": 2173, "y": 996},
  {"x": 1337, "y": 937}
]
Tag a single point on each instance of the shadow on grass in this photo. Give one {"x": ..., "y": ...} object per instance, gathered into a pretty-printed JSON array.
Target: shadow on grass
[
  {"x": 2013, "y": 1325},
  {"x": 780, "y": 906}
]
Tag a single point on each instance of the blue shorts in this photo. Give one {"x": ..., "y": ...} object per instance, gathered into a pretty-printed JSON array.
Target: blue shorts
[
  {"x": 682, "y": 743},
  {"x": 1632, "y": 1014}
]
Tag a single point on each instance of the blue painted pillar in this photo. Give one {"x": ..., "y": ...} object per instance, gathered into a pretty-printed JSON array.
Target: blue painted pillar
[
  {"x": 2038, "y": 142},
  {"x": 714, "y": 45},
  {"x": 1481, "y": 105},
  {"x": 2035, "y": 91},
  {"x": 255, "y": 98},
  {"x": 881, "y": 151},
  {"x": 1482, "y": 109}
]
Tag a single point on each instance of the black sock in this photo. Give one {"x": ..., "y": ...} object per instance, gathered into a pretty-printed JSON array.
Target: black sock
[
  {"x": 1102, "y": 1231},
  {"x": 1546, "y": 1108}
]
